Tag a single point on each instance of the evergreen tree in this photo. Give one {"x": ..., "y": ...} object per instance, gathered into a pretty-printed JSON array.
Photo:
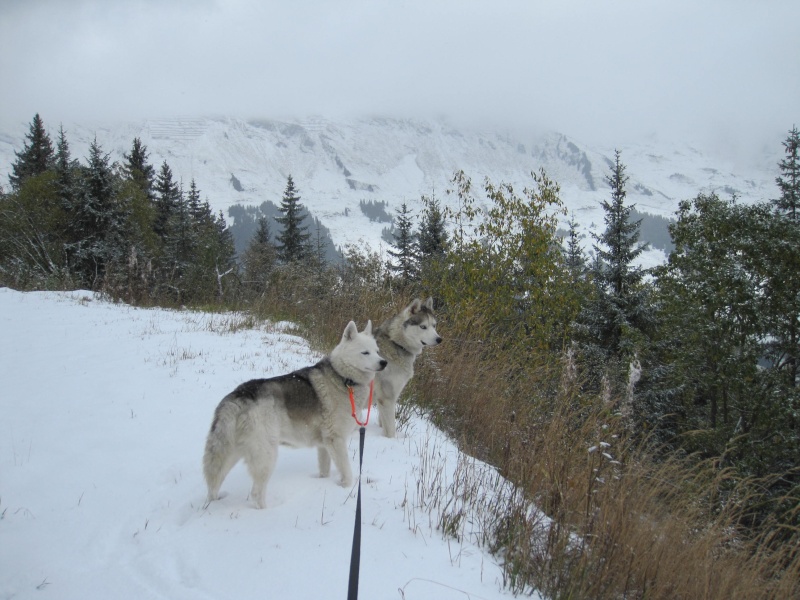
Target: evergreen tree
[
  {"x": 224, "y": 254},
  {"x": 36, "y": 156},
  {"x": 198, "y": 210},
  {"x": 783, "y": 288},
  {"x": 167, "y": 199},
  {"x": 263, "y": 235},
  {"x": 293, "y": 240},
  {"x": 717, "y": 325},
  {"x": 789, "y": 180},
  {"x": 135, "y": 272},
  {"x": 96, "y": 222},
  {"x": 433, "y": 239},
  {"x": 318, "y": 247},
  {"x": 137, "y": 169},
  {"x": 620, "y": 308},
  {"x": 182, "y": 242},
  {"x": 67, "y": 170},
  {"x": 573, "y": 253},
  {"x": 404, "y": 248},
  {"x": 259, "y": 258}
]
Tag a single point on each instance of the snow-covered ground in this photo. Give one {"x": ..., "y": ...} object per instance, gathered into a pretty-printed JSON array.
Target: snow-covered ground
[{"x": 104, "y": 409}]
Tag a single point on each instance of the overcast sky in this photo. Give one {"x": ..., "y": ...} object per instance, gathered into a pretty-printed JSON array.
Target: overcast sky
[{"x": 598, "y": 70}]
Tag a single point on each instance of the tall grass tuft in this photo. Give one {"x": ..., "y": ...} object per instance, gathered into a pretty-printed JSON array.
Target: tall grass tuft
[{"x": 623, "y": 520}]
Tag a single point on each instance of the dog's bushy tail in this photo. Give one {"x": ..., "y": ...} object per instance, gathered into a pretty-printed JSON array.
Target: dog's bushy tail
[{"x": 220, "y": 455}]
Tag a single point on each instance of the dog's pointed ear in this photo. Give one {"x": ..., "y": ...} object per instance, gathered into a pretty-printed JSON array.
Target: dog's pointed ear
[
  {"x": 350, "y": 332},
  {"x": 429, "y": 303},
  {"x": 414, "y": 307},
  {"x": 368, "y": 328}
]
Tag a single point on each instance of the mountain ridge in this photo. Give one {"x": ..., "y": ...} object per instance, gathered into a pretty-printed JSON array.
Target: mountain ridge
[{"x": 338, "y": 164}]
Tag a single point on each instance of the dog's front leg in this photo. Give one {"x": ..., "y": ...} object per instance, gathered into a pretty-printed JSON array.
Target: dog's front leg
[
  {"x": 386, "y": 416},
  {"x": 338, "y": 451},
  {"x": 324, "y": 460}
]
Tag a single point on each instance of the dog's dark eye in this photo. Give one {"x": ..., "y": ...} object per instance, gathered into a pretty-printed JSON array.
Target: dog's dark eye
[
  {"x": 423, "y": 326},
  {"x": 365, "y": 352}
]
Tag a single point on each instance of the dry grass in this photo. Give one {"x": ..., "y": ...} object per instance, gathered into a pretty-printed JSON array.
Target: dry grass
[{"x": 624, "y": 523}]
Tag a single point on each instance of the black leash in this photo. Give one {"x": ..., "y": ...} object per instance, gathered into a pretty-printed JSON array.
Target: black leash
[{"x": 355, "y": 555}]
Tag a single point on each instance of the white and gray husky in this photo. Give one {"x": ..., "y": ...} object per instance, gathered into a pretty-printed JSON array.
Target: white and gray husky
[
  {"x": 308, "y": 407},
  {"x": 400, "y": 340}
]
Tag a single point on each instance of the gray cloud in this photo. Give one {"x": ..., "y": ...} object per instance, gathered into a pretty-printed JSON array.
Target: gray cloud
[{"x": 727, "y": 70}]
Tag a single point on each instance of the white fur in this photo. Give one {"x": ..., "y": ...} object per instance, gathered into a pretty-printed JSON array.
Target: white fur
[{"x": 308, "y": 407}]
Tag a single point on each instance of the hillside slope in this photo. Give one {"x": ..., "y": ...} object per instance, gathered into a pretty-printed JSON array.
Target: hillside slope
[{"x": 336, "y": 165}]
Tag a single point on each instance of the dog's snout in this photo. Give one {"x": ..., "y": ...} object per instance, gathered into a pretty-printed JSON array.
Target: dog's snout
[
  {"x": 383, "y": 364},
  {"x": 438, "y": 340}
]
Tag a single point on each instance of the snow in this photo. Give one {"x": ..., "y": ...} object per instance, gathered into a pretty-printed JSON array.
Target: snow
[{"x": 105, "y": 409}]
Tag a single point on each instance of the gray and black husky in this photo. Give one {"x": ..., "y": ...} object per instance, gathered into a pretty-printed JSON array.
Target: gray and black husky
[
  {"x": 400, "y": 340},
  {"x": 308, "y": 407}
]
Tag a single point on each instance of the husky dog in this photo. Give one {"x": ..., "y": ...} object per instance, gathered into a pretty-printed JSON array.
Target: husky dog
[
  {"x": 400, "y": 340},
  {"x": 308, "y": 407}
]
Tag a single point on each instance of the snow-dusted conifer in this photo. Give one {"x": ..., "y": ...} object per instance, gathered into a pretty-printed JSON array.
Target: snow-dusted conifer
[
  {"x": 433, "y": 239},
  {"x": 36, "y": 156},
  {"x": 789, "y": 180},
  {"x": 259, "y": 258},
  {"x": 293, "y": 240},
  {"x": 96, "y": 225},
  {"x": 167, "y": 198},
  {"x": 136, "y": 168},
  {"x": 404, "y": 249},
  {"x": 620, "y": 305}
]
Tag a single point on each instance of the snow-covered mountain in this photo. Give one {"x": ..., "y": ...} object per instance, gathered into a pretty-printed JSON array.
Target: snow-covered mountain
[{"x": 336, "y": 165}]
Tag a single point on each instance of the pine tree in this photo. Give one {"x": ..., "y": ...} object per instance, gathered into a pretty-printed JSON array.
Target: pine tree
[
  {"x": 259, "y": 258},
  {"x": 573, "y": 253},
  {"x": 134, "y": 275},
  {"x": 167, "y": 198},
  {"x": 789, "y": 180},
  {"x": 184, "y": 234},
  {"x": 293, "y": 240},
  {"x": 96, "y": 222},
  {"x": 67, "y": 172},
  {"x": 36, "y": 156},
  {"x": 137, "y": 169},
  {"x": 433, "y": 240},
  {"x": 198, "y": 210},
  {"x": 66, "y": 169},
  {"x": 717, "y": 324},
  {"x": 263, "y": 235},
  {"x": 783, "y": 289},
  {"x": 405, "y": 247},
  {"x": 620, "y": 307},
  {"x": 318, "y": 247},
  {"x": 225, "y": 254}
]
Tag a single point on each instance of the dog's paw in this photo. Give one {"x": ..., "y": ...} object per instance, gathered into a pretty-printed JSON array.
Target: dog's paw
[
  {"x": 210, "y": 498},
  {"x": 346, "y": 482}
]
